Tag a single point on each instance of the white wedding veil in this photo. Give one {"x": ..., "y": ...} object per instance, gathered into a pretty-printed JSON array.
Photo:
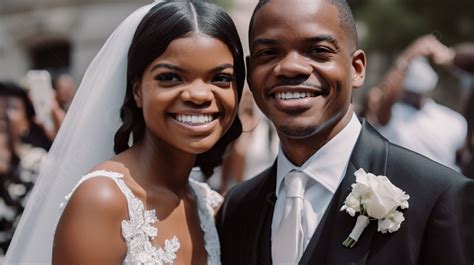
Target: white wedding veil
[{"x": 84, "y": 140}]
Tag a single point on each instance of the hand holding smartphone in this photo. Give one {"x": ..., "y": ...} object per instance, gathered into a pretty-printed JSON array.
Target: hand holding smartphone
[{"x": 41, "y": 93}]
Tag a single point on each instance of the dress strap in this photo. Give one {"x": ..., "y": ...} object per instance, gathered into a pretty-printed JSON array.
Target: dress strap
[
  {"x": 208, "y": 201},
  {"x": 115, "y": 176},
  {"x": 212, "y": 198}
]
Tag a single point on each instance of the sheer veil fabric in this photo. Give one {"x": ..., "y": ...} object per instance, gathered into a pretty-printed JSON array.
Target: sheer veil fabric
[{"x": 85, "y": 139}]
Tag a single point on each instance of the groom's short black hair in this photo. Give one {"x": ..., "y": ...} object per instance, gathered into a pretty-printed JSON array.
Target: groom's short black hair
[{"x": 346, "y": 18}]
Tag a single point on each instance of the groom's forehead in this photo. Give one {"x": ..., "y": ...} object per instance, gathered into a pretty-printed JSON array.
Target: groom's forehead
[
  {"x": 345, "y": 17},
  {"x": 338, "y": 3},
  {"x": 262, "y": 3},
  {"x": 274, "y": 11}
]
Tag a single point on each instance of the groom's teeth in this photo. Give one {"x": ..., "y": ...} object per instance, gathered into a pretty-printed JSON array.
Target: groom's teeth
[
  {"x": 194, "y": 119},
  {"x": 293, "y": 95}
]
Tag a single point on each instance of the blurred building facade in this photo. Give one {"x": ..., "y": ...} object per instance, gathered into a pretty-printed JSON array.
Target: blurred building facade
[{"x": 57, "y": 35}]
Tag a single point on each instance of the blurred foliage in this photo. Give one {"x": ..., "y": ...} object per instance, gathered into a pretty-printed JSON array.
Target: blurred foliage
[
  {"x": 226, "y": 4},
  {"x": 393, "y": 24}
]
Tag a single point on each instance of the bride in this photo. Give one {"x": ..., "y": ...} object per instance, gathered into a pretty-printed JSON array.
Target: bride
[{"x": 174, "y": 71}]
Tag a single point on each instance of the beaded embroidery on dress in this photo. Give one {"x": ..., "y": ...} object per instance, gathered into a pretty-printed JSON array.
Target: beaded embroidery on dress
[{"x": 139, "y": 230}]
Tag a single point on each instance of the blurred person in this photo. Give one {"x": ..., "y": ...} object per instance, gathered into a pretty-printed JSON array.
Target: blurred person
[
  {"x": 401, "y": 110},
  {"x": 10, "y": 191},
  {"x": 371, "y": 105},
  {"x": 159, "y": 99},
  {"x": 463, "y": 67},
  {"x": 65, "y": 88},
  {"x": 253, "y": 151},
  {"x": 16, "y": 181},
  {"x": 21, "y": 113},
  {"x": 463, "y": 58},
  {"x": 28, "y": 138}
]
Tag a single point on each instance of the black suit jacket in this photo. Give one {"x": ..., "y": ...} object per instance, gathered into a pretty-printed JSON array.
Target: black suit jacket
[{"x": 438, "y": 226}]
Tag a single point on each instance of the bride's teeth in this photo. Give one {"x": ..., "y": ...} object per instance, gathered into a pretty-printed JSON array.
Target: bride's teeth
[
  {"x": 194, "y": 119},
  {"x": 293, "y": 95}
]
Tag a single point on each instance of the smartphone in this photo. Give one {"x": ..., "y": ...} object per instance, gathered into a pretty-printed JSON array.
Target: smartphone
[{"x": 38, "y": 82}]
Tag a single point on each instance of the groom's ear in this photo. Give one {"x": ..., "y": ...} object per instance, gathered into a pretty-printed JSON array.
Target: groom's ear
[
  {"x": 137, "y": 94},
  {"x": 247, "y": 63},
  {"x": 359, "y": 63}
]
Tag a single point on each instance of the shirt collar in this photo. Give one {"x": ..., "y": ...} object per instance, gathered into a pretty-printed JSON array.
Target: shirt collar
[{"x": 328, "y": 165}]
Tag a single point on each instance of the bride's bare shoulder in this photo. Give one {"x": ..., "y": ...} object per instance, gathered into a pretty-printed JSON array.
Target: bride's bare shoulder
[
  {"x": 98, "y": 190},
  {"x": 95, "y": 210}
]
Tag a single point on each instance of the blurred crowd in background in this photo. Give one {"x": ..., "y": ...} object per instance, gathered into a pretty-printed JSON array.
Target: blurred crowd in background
[
  {"x": 419, "y": 94},
  {"x": 25, "y": 138}
]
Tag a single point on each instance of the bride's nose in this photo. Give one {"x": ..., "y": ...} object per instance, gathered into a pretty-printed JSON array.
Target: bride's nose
[{"x": 198, "y": 93}]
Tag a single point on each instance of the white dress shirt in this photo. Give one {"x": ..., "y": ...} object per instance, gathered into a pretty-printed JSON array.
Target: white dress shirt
[{"x": 325, "y": 170}]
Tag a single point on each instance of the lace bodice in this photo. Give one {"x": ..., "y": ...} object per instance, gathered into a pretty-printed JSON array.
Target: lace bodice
[{"x": 139, "y": 230}]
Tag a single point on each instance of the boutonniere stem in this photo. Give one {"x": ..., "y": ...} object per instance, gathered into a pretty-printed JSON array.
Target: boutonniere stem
[{"x": 361, "y": 224}]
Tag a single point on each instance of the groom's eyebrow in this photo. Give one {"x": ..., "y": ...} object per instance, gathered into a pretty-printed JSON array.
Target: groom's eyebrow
[
  {"x": 263, "y": 41},
  {"x": 316, "y": 39},
  {"x": 324, "y": 38}
]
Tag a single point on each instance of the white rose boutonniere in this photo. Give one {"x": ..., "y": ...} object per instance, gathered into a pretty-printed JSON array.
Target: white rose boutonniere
[{"x": 374, "y": 198}]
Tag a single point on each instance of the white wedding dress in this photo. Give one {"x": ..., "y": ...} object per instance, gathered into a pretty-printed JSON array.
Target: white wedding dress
[{"x": 140, "y": 229}]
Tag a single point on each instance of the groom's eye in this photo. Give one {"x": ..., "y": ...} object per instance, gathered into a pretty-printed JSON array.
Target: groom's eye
[{"x": 265, "y": 53}]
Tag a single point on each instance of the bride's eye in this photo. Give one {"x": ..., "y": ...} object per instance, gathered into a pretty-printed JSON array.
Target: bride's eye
[
  {"x": 169, "y": 77},
  {"x": 223, "y": 80}
]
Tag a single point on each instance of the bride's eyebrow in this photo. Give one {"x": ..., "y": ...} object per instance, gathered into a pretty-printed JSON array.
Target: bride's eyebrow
[
  {"x": 168, "y": 66},
  {"x": 222, "y": 67}
]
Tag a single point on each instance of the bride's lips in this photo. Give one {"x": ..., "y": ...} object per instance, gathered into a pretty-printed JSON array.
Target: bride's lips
[
  {"x": 194, "y": 119},
  {"x": 196, "y": 122}
]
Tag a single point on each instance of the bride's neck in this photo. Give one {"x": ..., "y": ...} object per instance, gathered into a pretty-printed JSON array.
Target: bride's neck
[{"x": 160, "y": 165}]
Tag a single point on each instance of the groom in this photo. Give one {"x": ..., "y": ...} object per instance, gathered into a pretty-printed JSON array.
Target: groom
[{"x": 304, "y": 63}]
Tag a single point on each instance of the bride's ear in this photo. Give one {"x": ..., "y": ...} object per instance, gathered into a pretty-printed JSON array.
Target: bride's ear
[{"x": 137, "y": 93}]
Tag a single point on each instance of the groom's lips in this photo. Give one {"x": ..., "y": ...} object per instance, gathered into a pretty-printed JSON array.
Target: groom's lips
[{"x": 294, "y": 98}]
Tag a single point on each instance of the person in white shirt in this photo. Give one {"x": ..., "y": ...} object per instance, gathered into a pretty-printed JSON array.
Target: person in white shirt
[{"x": 415, "y": 121}]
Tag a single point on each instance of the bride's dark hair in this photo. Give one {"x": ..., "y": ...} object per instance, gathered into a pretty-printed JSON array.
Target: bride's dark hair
[{"x": 164, "y": 23}]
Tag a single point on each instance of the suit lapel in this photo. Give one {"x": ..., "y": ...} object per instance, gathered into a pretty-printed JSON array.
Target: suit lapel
[
  {"x": 370, "y": 153},
  {"x": 263, "y": 214}
]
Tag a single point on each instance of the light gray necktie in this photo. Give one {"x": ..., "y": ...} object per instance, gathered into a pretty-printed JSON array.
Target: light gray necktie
[{"x": 288, "y": 241}]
